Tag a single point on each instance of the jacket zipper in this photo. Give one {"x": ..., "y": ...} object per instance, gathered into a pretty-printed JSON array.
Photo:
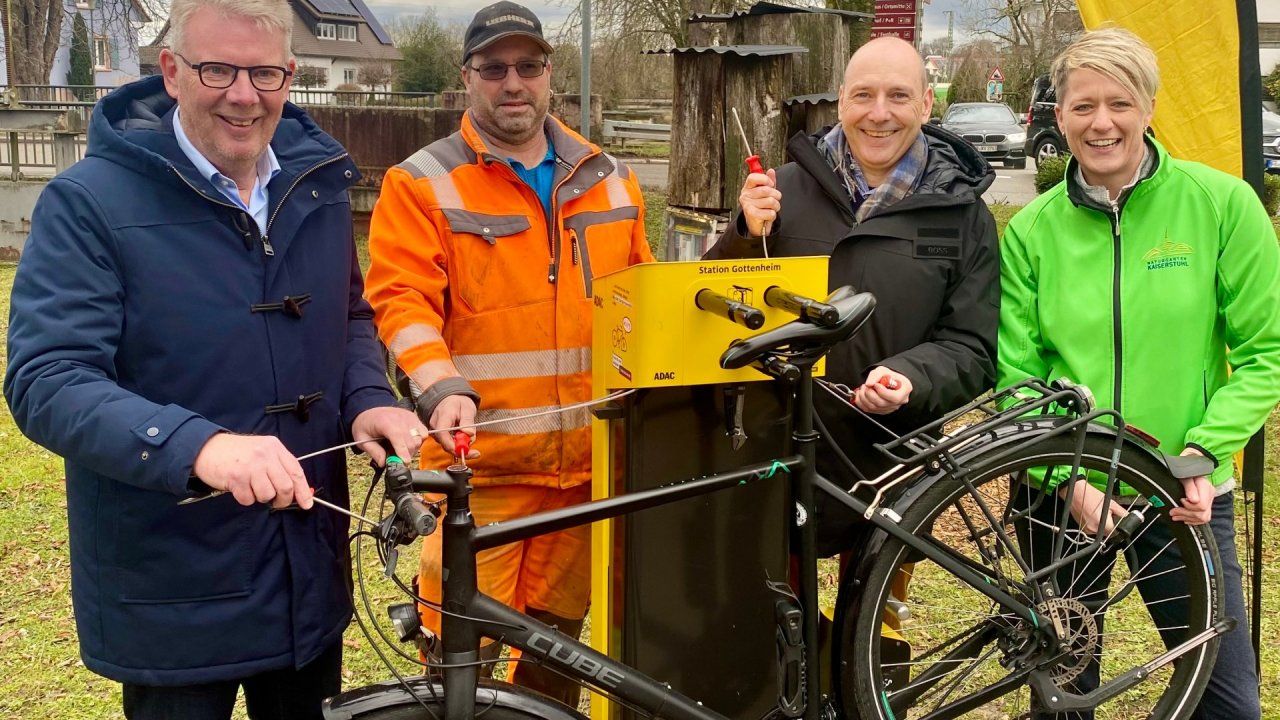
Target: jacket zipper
[
  {"x": 1117, "y": 320},
  {"x": 553, "y": 228},
  {"x": 266, "y": 242}
]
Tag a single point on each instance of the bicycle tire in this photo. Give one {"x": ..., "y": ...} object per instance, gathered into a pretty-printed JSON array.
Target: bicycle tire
[
  {"x": 495, "y": 700},
  {"x": 945, "y": 669}
]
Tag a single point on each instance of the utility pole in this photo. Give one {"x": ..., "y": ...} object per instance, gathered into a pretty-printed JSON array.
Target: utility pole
[
  {"x": 951, "y": 30},
  {"x": 6, "y": 12},
  {"x": 585, "y": 89}
]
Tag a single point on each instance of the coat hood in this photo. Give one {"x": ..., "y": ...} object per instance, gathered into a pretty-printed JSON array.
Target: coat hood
[{"x": 133, "y": 127}]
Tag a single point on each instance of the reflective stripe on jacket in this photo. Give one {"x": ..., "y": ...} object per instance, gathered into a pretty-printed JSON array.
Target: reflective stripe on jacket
[{"x": 469, "y": 279}]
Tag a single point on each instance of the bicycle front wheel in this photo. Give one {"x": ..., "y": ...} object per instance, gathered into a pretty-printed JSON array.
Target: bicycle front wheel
[
  {"x": 495, "y": 700},
  {"x": 916, "y": 642}
]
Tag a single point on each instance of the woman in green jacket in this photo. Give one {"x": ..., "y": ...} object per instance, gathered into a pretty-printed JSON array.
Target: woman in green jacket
[{"x": 1155, "y": 282}]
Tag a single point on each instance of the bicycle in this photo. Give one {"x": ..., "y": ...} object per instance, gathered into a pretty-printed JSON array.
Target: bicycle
[{"x": 980, "y": 595}]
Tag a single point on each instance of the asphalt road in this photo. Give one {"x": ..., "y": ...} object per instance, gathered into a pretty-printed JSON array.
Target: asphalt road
[{"x": 1016, "y": 187}]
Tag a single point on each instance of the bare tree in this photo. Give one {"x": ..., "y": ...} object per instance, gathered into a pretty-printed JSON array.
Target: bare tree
[
  {"x": 310, "y": 76},
  {"x": 655, "y": 23},
  {"x": 1029, "y": 34},
  {"x": 374, "y": 73},
  {"x": 37, "y": 28}
]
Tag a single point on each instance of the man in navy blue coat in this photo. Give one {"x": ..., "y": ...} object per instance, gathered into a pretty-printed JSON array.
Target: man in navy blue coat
[{"x": 187, "y": 315}]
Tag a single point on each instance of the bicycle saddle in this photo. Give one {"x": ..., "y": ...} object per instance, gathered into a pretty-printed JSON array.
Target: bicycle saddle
[{"x": 801, "y": 337}]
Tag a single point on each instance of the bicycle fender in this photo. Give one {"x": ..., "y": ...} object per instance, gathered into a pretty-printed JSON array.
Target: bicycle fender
[
  {"x": 1003, "y": 437},
  {"x": 358, "y": 702}
]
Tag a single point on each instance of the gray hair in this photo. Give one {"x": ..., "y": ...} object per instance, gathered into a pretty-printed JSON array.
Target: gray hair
[
  {"x": 266, "y": 14},
  {"x": 1116, "y": 53}
]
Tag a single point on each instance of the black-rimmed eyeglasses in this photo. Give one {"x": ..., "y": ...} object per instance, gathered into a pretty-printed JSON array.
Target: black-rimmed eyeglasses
[
  {"x": 498, "y": 71},
  {"x": 220, "y": 75}
]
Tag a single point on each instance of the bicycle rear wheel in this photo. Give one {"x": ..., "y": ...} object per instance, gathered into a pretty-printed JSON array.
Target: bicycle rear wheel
[{"x": 916, "y": 642}]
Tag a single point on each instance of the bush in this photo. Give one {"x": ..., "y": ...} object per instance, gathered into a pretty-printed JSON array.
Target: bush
[
  {"x": 350, "y": 94},
  {"x": 1271, "y": 84},
  {"x": 1050, "y": 172},
  {"x": 1271, "y": 193}
]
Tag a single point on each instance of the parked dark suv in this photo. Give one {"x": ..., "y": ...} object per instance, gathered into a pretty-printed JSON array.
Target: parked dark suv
[{"x": 1044, "y": 139}]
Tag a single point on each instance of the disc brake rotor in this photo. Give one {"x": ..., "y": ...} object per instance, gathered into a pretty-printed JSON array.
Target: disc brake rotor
[{"x": 1079, "y": 632}]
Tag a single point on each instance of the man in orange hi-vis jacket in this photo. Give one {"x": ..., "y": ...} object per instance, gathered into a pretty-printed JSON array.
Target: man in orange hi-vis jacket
[{"x": 484, "y": 245}]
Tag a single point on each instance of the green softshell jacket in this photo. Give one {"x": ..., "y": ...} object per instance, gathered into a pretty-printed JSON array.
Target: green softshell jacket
[{"x": 1149, "y": 302}]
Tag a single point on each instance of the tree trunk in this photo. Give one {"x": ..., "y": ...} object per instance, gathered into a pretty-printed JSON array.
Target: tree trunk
[
  {"x": 757, "y": 87},
  {"x": 36, "y": 32},
  {"x": 696, "y": 172},
  {"x": 818, "y": 71}
]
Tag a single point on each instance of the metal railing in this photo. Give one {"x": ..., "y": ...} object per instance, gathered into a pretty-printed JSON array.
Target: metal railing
[
  {"x": 623, "y": 131},
  {"x": 58, "y": 97},
  {"x": 378, "y": 98},
  {"x": 33, "y": 154},
  {"x": 68, "y": 96}
]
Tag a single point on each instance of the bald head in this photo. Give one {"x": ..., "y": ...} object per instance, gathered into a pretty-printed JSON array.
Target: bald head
[
  {"x": 883, "y": 102},
  {"x": 886, "y": 52}
]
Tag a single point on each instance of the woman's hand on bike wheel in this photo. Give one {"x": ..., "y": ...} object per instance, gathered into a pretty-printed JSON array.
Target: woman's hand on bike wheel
[
  {"x": 1086, "y": 508},
  {"x": 1197, "y": 501}
]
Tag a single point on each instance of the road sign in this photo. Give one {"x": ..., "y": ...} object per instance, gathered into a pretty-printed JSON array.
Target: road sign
[
  {"x": 996, "y": 75},
  {"x": 908, "y": 34},
  {"x": 995, "y": 90},
  {"x": 895, "y": 18}
]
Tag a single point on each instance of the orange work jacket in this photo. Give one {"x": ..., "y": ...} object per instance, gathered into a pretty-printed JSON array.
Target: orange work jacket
[{"x": 474, "y": 287}]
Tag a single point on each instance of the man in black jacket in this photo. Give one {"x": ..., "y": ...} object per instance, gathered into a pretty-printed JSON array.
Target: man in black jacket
[{"x": 897, "y": 205}]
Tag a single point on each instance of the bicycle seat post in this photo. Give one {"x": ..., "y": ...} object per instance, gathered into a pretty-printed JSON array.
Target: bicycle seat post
[{"x": 805, "y": 439}]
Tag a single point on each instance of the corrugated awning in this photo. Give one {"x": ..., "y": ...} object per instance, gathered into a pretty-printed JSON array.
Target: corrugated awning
[
  {"x": 738, "y": 50},
  {"x": 814, "y": 99}
]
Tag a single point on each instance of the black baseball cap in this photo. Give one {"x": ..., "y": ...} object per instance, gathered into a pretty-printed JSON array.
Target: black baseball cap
[{"x": 500, "y": 20}]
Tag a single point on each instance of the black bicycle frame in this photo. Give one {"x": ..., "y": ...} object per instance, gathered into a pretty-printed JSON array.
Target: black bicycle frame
[{"x": 469, "y": 615}]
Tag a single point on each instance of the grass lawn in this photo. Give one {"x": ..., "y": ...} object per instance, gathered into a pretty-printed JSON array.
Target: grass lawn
[{"x": 40, "y": 670}]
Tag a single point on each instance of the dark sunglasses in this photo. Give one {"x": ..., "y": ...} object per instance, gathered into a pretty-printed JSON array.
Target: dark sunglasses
[{"x": 498, "y": 71}]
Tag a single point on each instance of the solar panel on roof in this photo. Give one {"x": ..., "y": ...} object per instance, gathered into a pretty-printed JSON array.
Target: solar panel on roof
[
  {"x": 335, "y": 7},
  {"x": 374, "y": 25}
]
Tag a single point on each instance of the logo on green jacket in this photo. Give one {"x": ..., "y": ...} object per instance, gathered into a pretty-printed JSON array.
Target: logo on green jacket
[{"x": 1168, "y": 254}]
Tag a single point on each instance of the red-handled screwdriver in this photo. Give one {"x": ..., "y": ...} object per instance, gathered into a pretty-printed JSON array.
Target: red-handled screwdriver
[
  {"x": 753, "y": 165},
  {"x": 889, "y": 382},
  {"x": 753, "y": 160},
  {"x": 461, "y": 446},
  {"x": 884, "y": 381}
]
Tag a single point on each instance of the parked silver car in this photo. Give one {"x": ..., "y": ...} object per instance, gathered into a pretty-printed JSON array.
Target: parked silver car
[
  {"x": 992, "y": 128},
  {"x": 1271, "y": 141}
]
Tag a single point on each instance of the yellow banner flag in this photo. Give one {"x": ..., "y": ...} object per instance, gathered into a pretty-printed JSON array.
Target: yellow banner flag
[{"x": 1198, "y": 107}]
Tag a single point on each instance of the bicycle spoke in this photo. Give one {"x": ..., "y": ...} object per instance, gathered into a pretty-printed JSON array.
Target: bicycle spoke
[{"x": 938, "y": 661}]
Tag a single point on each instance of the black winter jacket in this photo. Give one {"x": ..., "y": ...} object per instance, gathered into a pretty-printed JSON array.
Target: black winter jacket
[{"x": 933, "y": 264}]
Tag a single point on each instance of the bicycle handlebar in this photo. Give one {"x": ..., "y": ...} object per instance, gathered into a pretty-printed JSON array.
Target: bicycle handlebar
[{"x": 408, "y": 505}]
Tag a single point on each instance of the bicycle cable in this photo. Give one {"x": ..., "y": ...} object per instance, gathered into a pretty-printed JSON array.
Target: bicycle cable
[{"x": 615, "y": 395}]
